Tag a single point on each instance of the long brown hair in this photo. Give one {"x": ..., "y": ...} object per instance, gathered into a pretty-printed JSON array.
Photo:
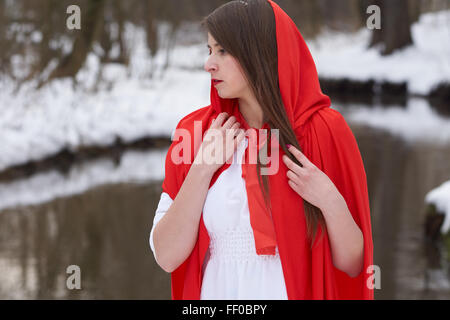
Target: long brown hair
[{"x": 247, "y": 31}]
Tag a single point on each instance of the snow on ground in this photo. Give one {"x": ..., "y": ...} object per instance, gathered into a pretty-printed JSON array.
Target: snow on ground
[
  {"x": 440, "y": 197},
  {"x": 415, "y": 122},
  {"x": 423, "y": 65},
  {"x": 134, "y": 167},
  {"x": 130, "y": 104},
  {"x": 37, "y": 123}
]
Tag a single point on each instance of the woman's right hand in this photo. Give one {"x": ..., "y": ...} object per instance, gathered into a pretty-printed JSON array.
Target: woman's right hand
[{"x": 219, "y": 143}]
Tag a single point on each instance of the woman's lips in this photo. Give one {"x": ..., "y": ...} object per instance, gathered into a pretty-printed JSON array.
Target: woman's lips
[{"x": 216, "y": 82}]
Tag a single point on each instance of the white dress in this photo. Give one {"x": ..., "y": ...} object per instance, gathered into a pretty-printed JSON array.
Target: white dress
[{"x": 232, "y": 269}]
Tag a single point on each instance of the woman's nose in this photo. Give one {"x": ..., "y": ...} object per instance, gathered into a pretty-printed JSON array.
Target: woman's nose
[{"x": 210, "y": 65}]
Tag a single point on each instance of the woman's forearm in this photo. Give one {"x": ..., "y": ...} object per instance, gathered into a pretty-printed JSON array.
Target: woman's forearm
[
  {"x": 175, "y": 234},
  {"x": 346, "y": 238}
]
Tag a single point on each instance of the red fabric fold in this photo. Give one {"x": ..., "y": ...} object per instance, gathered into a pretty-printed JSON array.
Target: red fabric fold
[{"x": 260, "y": 216}]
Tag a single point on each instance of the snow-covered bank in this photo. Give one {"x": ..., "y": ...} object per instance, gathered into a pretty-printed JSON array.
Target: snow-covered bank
[
  {"x": 415, "y": 122},
  {"x": 135, "y": 167},
  {"x": 35, "y": 124},
  {"x": 422, "y": 66},
  {"x": 440, "y": 197}
]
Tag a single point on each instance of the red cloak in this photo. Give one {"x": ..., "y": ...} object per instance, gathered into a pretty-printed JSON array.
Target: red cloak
[{"x": 327, "y": 141}]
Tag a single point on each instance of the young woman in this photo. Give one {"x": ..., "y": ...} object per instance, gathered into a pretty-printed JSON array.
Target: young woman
[{"x": 224, "y": 230}]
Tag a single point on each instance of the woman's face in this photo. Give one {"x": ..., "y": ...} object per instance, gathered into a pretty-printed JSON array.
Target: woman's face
[{"x": 223, "y": 66}]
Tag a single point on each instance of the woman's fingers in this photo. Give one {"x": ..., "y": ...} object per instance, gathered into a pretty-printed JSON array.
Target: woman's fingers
[
  {"x": 232, "y": 136},
  {"x": 217, "y": 123},
  {"x": 300, "y": 157},
  {"x": 223, "y": 121},
  {"x": 291, "y": 165},
  {"x": 238, "y": 139},
  {"x": 230, "y": 132},
  {"x": 240, "y": 136},
  {"x": 236, "y": 125},
  {"x": 229, "y": 123}
]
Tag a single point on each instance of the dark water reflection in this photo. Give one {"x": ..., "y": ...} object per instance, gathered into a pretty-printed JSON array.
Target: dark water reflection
[
  {"x": 399, "y": 176},
  {"x": 105, "y": 232}
]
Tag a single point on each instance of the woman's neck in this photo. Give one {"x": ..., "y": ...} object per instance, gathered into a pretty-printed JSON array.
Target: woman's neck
[{"x": 252, "y": 112}]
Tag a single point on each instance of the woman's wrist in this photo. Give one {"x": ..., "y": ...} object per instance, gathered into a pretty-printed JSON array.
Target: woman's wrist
[{"x": 202, "y": 170}]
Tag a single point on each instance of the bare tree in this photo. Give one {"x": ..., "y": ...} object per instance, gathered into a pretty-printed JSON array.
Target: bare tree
[
  {"x": 306, "y": 14},
  {"x": 343, "y": 15},
  {"x": 92, "y": 25},
  {"x": 100, "y": 18},
  {"x": 395, "y": 32}
]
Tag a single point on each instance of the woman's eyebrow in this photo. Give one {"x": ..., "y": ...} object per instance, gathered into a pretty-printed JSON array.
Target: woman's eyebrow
[{"x": 215, "y": 45}]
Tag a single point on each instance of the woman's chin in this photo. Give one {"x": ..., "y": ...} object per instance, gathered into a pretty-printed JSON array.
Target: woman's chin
[{"x": 224, "y": 95}]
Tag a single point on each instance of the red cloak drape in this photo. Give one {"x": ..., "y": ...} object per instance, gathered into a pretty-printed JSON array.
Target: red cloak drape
[{"x": 326, "y": 140}]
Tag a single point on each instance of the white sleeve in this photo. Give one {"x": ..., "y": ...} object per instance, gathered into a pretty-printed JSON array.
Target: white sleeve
[{"x": 164, "y": 204}]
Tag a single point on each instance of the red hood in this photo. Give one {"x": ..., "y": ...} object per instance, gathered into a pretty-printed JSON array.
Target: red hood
[{"x": 297, "y": 74}]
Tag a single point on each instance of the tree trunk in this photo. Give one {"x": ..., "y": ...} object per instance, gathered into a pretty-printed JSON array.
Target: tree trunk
[
  {"x": 91, "y": 25},
  {"x": 395, "y": 32},
  {"x": 151, "y": 27},
  {"x": 343, "y": 15}
]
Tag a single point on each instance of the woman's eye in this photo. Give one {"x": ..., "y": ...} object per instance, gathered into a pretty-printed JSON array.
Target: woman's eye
[{"x": 222, "y": 51}]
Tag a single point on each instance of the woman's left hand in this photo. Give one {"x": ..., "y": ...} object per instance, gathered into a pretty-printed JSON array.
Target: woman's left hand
[{"x": 310, "y": 182}]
